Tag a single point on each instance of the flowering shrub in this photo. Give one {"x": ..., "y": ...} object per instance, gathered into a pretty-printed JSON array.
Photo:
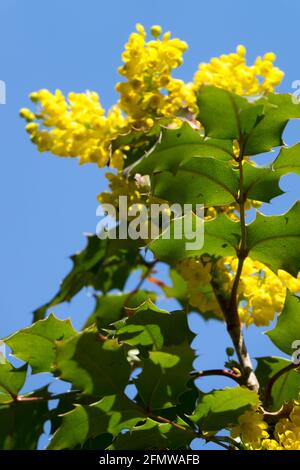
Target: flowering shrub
[{"x": 173, "y": 142}]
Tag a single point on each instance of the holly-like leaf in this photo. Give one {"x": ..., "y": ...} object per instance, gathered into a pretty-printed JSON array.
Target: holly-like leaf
[
  {"x": 287, "y": 329},
  {"x": 258, "y": 126},
  {"x": 221, "y": 408},
  {"x": 111, "y": 414},
  {"x": 164, "y": 376},
  {"x": 150, "y": 326},
  {"x": 200, "y": 180},
  {"x": 153, "y": 435},
  {"x": 261, "y": 184},
  {"x": 187, "y": 168},
  {"x": 111, "y": 307},
  {"x": 221, "y": 238},
  {"x": 220, "y": 113},
  {"x": 178, "y": 146},
  {"x": 278, "y": 109},
  {"x": 135, "y": 144},
  {"x": 11, "y": 381},
  {"x": 275, "y": 240},
  {"x": 286, "y": 387},
  {"x": 95, "y": 366},
  {"x": 288, "y": 160},
  {"x": 36, "y": 344},
  {"x": 22, "y": 424},
  {"x": 102, "y": 264}
]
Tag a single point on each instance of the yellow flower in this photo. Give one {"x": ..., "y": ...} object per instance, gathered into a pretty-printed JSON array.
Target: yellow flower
[
  {"x": 77, "y": 127},
  {"x": 232, "y": 73},
  {"x": 261, "y": 294},
  {"x": 149, "y": 90},
  {"x": 251, "y": 429}
]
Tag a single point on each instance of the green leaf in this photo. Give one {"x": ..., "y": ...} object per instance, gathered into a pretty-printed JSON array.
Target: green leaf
[
  {"x": 22, "y": 424},
  {"x": 261, "y": 184},
  {"x": 102, "y": 264},
  {"x": 153, "y": 435},
  {"x": 164, "y": 376},
  {"x": 288, "y": 160},
  {"x": 94, "y": 366},
  {"x": 182, "y": 168},
  {"x": 198, "y": 181},
  {"x": 220, "y": 112},
  {"x": 36, "y": 344},
  {"x": 275, "y": 240},
  {"x": 221, "y": 238},
  {"x": 286, "y": 387},
  {"x": 138, "y": 142},
  {"x": 150, "y": 326},
  {"x": 110, "y": 308},
  {"x": 221, "y": 408},
  {"x": 11, "y": 381},
  {"x": 111, "y": 414},
  {"x": 268, "y": 131},
  {"x": 287, "y": 329},
  {"x": 178, "y": 289},
  {"x": 179, "y": 146},
  {"x": 259, "y": 125}
]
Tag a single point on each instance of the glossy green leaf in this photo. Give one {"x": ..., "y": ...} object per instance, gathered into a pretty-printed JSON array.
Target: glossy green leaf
[
  {"x": 11, "y": 381},
  {"x": 111, "y": 307},
  {"x": 150, "y": 326},
  {"x": 177, "y": 147},
  {"x": 198, "y": 181},
  {"x": 22, "y": 424},
  {"x": 288, "y": 160},
  {"x": 275, "y": 240},
  {"x": 221, "y": 238},
  {"x": 102, "y": 264},
  {"x": 94, "y": 366},
  {"x": 261, "y": 184},
  {"x": 278, "y": 109},
  {"x": 220, "y": 112},
  {"x": 165, "y": 375},
  {"x": 111, "y": 415},
  {"x": 287, "y": 329},
  {"x": 36, "y": 344},
  {"x": 221, "y": 408},
  {"x": 152, "y": 435},
  {"x": 285, "y": 387}
]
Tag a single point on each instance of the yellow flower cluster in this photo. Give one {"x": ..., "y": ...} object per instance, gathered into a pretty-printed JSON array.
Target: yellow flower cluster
[
  {"x": 251, "y": 429},
  {"x": 287, "y": 432},
  {"x": 150, "y": 92},
  {"x": 77, "y": 127},
  {"x": 232, "y": 73},
  {"x": 197, "y": 274},
  {"x": 261, "y": 293},
  {"x": 255, "y": 435}
]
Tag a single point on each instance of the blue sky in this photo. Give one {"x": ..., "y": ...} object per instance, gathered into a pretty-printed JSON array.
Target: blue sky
[{"x": 46, "y": 203}]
